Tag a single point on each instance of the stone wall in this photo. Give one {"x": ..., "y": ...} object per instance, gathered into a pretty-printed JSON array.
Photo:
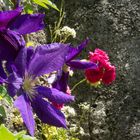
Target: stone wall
[{"x": 114, "y": 26}]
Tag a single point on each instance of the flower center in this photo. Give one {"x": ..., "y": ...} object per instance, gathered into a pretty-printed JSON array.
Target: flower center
[
  {"x": 96, "y": 84},
  {"x": 29, "y": 86}
]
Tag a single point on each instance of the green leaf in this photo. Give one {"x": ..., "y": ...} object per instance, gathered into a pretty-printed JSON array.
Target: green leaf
[
  {"x": 3, "y": 90},
  {"x": 5, "y": 134},
  {"x": 19, "y": 135},
  {"x": 25, "y": 137},
  {"x": 51, "y": 4},
  {"x": 4, "y": 95},
  {"x": 28, "y": 8},
  {"x": 8, "y": 99},
  {"x": 39, "y": 2},
  {"x": 2, "y": 112},
  {"x": 46, "y": 3}
]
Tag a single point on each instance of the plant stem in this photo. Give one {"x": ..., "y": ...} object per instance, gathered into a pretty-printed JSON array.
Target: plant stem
[
  {"x": 58, "y": 24},
  {"x": 78, "y": 84}
]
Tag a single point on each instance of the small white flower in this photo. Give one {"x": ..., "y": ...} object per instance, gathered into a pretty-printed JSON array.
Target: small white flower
[
  {"x": 69, "y": 111},
  {"x": 84, "y": 106},
  {"x": 68, "y": 31}
]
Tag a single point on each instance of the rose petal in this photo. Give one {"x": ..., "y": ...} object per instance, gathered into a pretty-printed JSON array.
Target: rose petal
[
  {"x": 94, "y": 75},
  {"x": 109, "y": 75}
]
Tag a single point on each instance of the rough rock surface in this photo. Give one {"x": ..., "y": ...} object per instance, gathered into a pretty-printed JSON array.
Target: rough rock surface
[{"x": 114, "y": 26}]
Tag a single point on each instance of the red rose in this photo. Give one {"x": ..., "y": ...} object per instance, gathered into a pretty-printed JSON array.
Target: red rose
[
  {"x": 109, "y": 75},
  {"x": 105, "y": 71}
]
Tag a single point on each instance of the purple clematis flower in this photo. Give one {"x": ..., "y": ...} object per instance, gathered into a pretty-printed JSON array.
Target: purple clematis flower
[
  {"x": 12, "y": 26},
  {"x": 78, "y": 64},
  {"x": 73, "y": 64},
  {"x": 23, "y": 24},
  {"x": 61, "y": 82},
  {"x": 23, "y": 82}
]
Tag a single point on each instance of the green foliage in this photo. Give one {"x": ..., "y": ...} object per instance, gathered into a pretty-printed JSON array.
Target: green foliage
[
  {"x": 2, "y": 112},
  {"x": 6, "y": 4},
  {"x": 4, "y": 95},
  {"x": 28, "y": 5},
  {"x": 28, "y": 8},
  {"x": 53, "y": 133},
  {"x": 46, "y": 3},
  {"x": 5, "y": 134}
]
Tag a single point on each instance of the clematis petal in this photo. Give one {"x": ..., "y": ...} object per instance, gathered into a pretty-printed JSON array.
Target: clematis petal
[
  {"x": 18, "y": 3},
  {"x": 30, "y": 52},
  {"x": 73, "y": 52},
  {"x": 2, "y": 72},
  {"x": 10, "y": 44},
  {"x": 7, "y": 16},
  {"x": 61, "y": 84},
  {"x": 21, "y": 62},
  {"x": 48, "y": 113},
  {"x": 9, "y": 66},
  {"x": 48, "y": 58},
  {"x": 2, "y": 80},
  {"x": 14, "y": 84},
  {"x": 14, "y": 38},
  {"x": 27, "y": 23},
  {"x": 62, "y": 81},
  {"x": 79, "y": 64},
  {"x": 55, "y": 95},
  {"x": 23, "y": 105}
]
